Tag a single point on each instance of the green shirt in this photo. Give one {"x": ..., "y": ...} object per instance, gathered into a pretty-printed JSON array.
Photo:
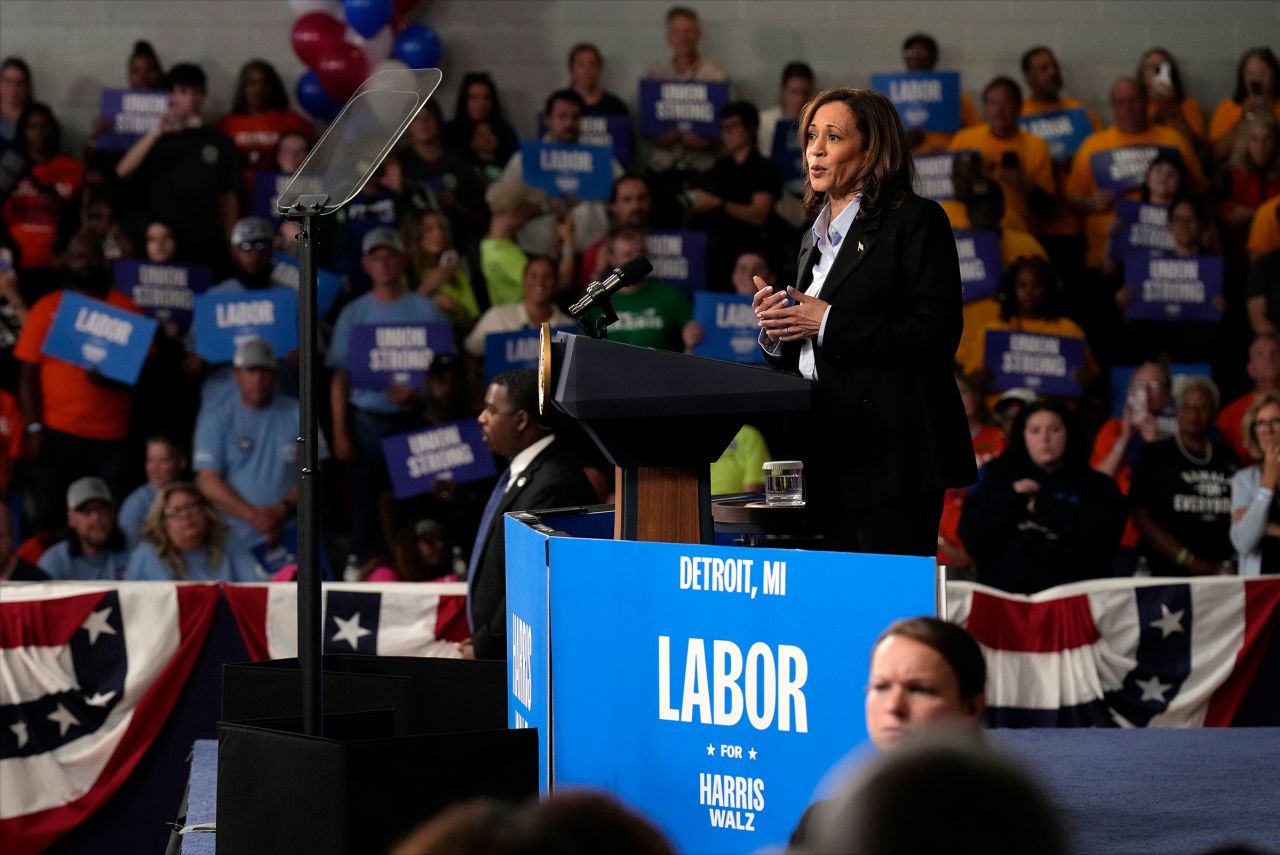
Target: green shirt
[
  {"x": 652, "y": 317},
  {"x": 502, "y": 262},
  {"x": 741, "y": 465}
]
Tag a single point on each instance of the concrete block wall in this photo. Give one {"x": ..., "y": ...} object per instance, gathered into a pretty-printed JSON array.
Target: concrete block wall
[{"x": 78, "y": 46}]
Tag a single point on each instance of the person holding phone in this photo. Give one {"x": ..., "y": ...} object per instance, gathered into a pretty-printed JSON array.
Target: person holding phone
[
  {"x": 1167, "y": 100},
  {"x": 1257, "y": 89},
  {"x": 1018, "y": 160},
  {"x": 874, "y": 320}
]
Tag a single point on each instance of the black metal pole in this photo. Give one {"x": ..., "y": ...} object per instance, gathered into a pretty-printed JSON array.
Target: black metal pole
[{"x": 310, "y": 605}]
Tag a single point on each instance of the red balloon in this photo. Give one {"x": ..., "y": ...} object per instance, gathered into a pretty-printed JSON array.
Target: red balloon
[
  {"x": 341, "y": 69},
  {"x": 312, "y": 33}
]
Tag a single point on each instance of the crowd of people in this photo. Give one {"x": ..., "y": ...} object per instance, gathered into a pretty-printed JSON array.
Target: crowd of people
[{"x": 189, "y": 472}]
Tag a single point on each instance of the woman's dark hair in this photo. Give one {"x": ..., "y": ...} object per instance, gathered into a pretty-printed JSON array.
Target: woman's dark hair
[
  {"x": 461, "y": 129},
  {"x": 470, "y": 79},
  {"x": 950, "y": 641},
  {"x": 1006, "y": 293},
  {"x": 1074, "y": 456},
  {"x": 277, "y": 97},
  {"x": 1174, "y": 159},
  {"x": 434, "y": 109},
  {"x": 1263, "y": 53},
  {"x": 37, "y": 108},
  {"x": 887, "y": 171},
  {"x": 1175, "y": 75}
]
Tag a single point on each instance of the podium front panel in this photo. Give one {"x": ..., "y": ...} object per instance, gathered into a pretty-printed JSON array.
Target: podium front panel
[{"x": 712, "y": 688}]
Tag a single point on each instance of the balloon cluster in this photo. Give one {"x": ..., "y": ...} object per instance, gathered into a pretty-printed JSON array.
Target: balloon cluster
[{"x": 344, "y": 42}]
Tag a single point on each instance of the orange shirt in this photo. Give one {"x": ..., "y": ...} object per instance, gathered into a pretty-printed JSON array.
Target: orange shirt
[
  {"x": 1192, "y": 114},
  {"x": 69, "y": 401},
  {"x": 1108, "y": 436},
  {"x": 1229, "y": 422},
  {"x": 977, "y": 313},
  {"x": 1033, "y": 154},
  {"x": 34, "y": 207},
  {"x": 1064, "y": 327},
  {"x": 1031, "y": 107},
  {"x": 1016, "y": 244},
  {"x": 1264, "y": 230},
  {"x": 11, "y": 430},
  {"x": 1080, "y": 181},
  {"x": 937, "y": 140},
  {"x": 1226, "y": 117}
]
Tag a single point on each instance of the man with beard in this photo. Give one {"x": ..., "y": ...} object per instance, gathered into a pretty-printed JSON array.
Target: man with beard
[
  {"x": 94, "y": 547},
  {"x": 76, "y": 419}
]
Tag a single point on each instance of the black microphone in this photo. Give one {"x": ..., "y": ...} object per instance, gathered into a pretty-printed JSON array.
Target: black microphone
[{"x": 602, "y": 289}]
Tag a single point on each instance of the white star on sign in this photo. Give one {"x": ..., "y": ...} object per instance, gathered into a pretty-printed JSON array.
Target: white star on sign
[
  {"x": 64, "y": 718},
  {"x": 350, "y": 630},
  {"x": 751, "y": 754},
  {"x": 20, "y": 731},
  {"x": 1153, "y": 689},
  {"x": 711, "y": 750},
  {"x": 97, "y": 624},
  {"x": 100, "y": 699},
  {"x": 1169, "y": 622}
]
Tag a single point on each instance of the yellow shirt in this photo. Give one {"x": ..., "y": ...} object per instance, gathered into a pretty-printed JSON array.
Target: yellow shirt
[
  {"x": 1065, "y": 220},
  {"x": 1226, "y": 117},
  {"x": 1264, "y": 231},
  {"x": 1080, "y": 180},
  {"x": 1191, "y": 113},
  {"x": 1013, "y": 245},
  {"x": 1033, "y": 154}
]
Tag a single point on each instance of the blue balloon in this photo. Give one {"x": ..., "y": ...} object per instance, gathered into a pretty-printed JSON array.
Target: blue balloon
[
  {"x": 418, "y": 46},
  {"x": 366, "y": 17},
  {"x": 314, "y": 99}
]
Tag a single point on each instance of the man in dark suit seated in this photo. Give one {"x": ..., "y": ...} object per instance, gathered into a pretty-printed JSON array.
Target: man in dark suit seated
[{"x": 543, "y": 474}]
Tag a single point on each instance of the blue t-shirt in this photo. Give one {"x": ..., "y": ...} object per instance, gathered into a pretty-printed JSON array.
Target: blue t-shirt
[
  {"x": 58, "y": 563},
  {"x": 237, "y": 565},
  {"x": 255, "y": 451},
  {"x": 133, "y": 510},
  {"x": 409, "y": 308}
]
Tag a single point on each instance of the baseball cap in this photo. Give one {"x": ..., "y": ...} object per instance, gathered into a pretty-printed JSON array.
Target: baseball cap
[
  {"x": 382, "y": 236},
  {"x": 428, "y": 529},
  {"x": 1017, "y": 393},
  {"x": 254, "y": 352},
  {"x": 507, "y": 193},
  {"x": 87, "y": 490},
  {"x": 251, "y": 229}
]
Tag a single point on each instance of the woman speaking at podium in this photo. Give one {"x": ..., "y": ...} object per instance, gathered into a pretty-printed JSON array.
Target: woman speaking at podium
[{"x": 874, "y": 320}]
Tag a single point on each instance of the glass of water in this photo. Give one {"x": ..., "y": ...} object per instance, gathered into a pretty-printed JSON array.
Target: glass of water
[{"x": 784, "y": 483}]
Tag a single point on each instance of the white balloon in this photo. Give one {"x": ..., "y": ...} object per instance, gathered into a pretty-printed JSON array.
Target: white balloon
[
  {"x": 329, "y": 7},
  {"x": 375, "y": 49},
  {"x": 390, "y": 65}
]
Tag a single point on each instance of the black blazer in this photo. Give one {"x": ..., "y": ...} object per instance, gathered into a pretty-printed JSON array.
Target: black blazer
[
  {"x": 887, "y": 416},
  {"x": 553, "y": 480}
]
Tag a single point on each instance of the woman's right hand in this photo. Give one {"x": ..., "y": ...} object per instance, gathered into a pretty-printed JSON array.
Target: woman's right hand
[{"x": 764, "y": 299}]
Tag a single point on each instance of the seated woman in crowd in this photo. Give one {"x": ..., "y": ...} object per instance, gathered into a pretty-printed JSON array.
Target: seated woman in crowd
[
  {"x": 1180, "y": 491},
  {"x": 1040, "y": 516},
  {"x": 259, "y": 115},
  {"x": 1252, "y": 177},
  {"x": 47, "y": 193},
  {"x": 440, "y": 272},
  {"x": 166, "y": 462},
  {"x": 1167, "y": 100},
  {"x": 1255, "y": 513},
  {"x": 185, "y": 539},
  {"x": 1257, "y": 90},
  {"x": 419, "y": 555},
  {"x": 538, "y": 285}
]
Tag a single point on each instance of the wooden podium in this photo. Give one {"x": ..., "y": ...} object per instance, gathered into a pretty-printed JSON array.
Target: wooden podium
[{"x": 661, "y": 419}]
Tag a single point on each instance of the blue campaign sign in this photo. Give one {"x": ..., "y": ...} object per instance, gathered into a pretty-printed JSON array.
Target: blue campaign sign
[
  {"x": 454, "y": 451},
  {"x": 689, "y": 105},
  {"x": 519, "y": 349},
  {"x": 131, "y": 113},
  {"x": 266, "y": 189},
  {"x": 679, "y": 259},
  {"x": 612, "y": 131},
  {"x": 726, "y": 688},
  {"x": 95, "y": 335},
  {"x": 980, "y": 263},
  {"x": 222, "y": 320},
  {"x": 1047, "y": 364},
  {"x": 729, "y": 326},
  {"x": 925, "y": 99},
  {"x": 583, "y": 171},
  {"x": 1173, "y": 289},
  {"x": 933, "y": 176},
  {"x": 1123, "y": 169},
  {"x": 529, "y": 677},
  {"x": 788, "y": 155},
  {"x": 1139, "y": 226},
  {"x": 285, "y": 273},
  {"x": 384, "y": 354},
  {"x": 1062, "y": 130},
  {"x": 166, "y": 292}
]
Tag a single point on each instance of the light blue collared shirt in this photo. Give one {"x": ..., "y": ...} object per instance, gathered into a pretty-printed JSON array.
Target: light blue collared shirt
[{"x": 828, "y": 234}]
